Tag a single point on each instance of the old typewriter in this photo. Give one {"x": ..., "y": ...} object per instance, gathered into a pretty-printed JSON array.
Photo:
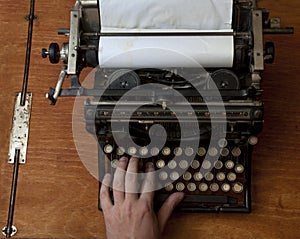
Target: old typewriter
[{"x": 197, "y": 125}]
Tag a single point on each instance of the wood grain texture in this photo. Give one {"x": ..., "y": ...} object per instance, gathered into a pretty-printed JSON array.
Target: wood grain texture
[{"x": 57, "y": 197}]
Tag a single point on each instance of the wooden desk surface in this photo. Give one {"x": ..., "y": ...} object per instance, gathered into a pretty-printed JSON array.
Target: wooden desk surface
[{"x": 57, "y": 197}]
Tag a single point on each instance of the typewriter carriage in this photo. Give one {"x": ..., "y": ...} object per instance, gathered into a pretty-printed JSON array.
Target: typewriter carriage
[{"x": 84, "y": 33}]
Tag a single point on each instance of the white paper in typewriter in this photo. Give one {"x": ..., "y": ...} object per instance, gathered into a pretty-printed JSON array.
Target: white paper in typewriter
[{"x": 119, "y": 16}]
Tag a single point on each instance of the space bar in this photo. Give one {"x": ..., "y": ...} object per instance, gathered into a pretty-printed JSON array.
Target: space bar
[{"x": 203, "y": 199}]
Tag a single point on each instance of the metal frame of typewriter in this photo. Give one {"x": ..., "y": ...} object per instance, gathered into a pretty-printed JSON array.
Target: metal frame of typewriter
[{"x": 242, "y": 105}]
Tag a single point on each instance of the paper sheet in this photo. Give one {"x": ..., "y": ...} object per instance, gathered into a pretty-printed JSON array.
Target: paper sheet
[{"x": 166, "y": 16}]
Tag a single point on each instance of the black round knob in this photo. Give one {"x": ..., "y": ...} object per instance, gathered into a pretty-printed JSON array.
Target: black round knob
[
  {"x": 269, "y": 52},
  {"x": 44, "y": 53},
  {"x": 224, "y": 79},
  {"x": 53, "y": 52}
]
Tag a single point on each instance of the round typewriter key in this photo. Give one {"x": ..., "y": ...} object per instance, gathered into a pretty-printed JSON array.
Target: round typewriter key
[
  {"x": 169, "y": 187},
  {"x": 203, "y": 187},
  {"x": 131, "y": 150},
  {"x": 220, "y": 176},
  {"x": 178, "y": 151},
  {"x": 195, "y": 164},
  {"x": 160, "y": 163},
  {"x": 214, "y": 187},
  {"x": 225, "y": 187},
  {"x": 229, "y": 164},
  {"x": 189, "y": 151},
  {"x": 187, "y": 176},
  {"x": 239, "y": 168},
  {"x": 183, "y": 164},
  {"x": 218, "y": 164},
  {"x": 191, "y": 187},
  {"x": 222, "y": 143},
  {"x": 163, "y": 175},
  {"x": 108, "y": 149},
  {"x": 172, "y": 164},
  {"x": 114, "y": 163},
  {"x": 120, "y": 151},
  {"x": 154, "y": 151},
  {"x": 201, "y": 151},
  {"x": 231, "y": 177},
  {"x": 225, "y": 152},
  {"x": 236, "y": 151},
  {"x": 213, "y": 152},
  {"x": 174, "y": 176},
  {"x": 237, "y": 188},
  {"x": 180, "y": 186},
  {"x": 143, "y": 151},
  {"x": 166, "y": 151},
  {"x": 253, "y": 140},
  {"x": 198, "y": 176},
  {"x": 209, "y": 176},
  {"x": 206, "y": 164}
]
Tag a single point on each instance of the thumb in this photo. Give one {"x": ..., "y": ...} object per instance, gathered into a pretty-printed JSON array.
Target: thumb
[{"x": 167, "y": 208}]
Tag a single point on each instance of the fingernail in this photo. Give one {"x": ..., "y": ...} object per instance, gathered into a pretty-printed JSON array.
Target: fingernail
[
  {"x": 107, "y": 175},
  {"x": 181, "y": 196},
  {"x": 123, "y": 159}
]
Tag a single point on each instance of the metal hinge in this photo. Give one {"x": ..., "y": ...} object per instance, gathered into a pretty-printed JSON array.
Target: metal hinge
[{"x": 20, "y": 129}]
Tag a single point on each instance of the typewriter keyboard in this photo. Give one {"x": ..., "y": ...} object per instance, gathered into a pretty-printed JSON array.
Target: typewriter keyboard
[{"x": 224, "y": 184}]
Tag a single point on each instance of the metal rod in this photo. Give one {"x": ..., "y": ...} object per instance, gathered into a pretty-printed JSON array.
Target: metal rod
[
  {"x": 155, "y": 34},
  {"x": 9, "y": 227},
  {"x": 287, "y": 30},
  {"x": 88, "y": 3},
  {"x": 13, "y": 195},
  {"x": 28, "y": 52}
]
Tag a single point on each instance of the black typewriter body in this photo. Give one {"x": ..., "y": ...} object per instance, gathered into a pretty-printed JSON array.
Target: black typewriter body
[
  {"x": 215, "y": 172},
  {"x": 225, "y": 155}
]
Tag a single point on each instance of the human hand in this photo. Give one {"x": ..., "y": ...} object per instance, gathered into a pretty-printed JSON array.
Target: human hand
[{"x": 132, "y": 216}]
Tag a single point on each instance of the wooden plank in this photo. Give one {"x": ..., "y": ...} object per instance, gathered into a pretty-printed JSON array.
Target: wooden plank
[{"x": 57, "y": 197}]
